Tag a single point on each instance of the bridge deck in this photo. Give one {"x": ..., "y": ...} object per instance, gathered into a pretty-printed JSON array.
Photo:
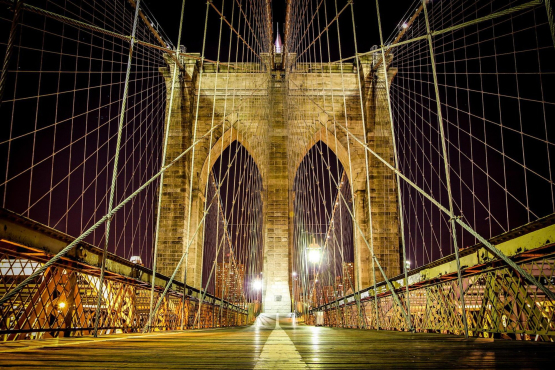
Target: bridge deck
[{"x": 267, "y": 345}]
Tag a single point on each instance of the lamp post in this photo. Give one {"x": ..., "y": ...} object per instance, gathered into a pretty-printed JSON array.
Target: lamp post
[
  {"x": 314, "y": 252},
  {"x": 294, "y": 274}
]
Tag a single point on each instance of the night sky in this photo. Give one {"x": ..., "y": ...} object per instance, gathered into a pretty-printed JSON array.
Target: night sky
[
  {"x": 64, "y": 88},
  {"x": 168, "y": 13}
]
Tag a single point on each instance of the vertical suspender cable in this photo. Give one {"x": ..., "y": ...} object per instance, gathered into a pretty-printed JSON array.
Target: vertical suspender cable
[
  {"x": 161, "y": 182},
  {"x": 356, "y": 287},
  {"x": 115, "y": 169},
  {"x": 370, "y": 223},
  {"x": 549, "y": 10},
  {"x": 447, "y": 169},
  {"x": 395, "y": 155},
  {"x": 209, "y": 171},
  {"x": 191, "y": 170},
  {"x": 9, "y": 48}
]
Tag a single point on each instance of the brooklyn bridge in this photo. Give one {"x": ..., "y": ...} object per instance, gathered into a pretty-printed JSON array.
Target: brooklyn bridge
[{"x": 264, "y": 184}]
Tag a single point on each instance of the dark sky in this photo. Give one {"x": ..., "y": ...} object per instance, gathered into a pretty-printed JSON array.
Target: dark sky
[
  {"x": 497, "y": 113},
  {"x": 167, "y": 14}
]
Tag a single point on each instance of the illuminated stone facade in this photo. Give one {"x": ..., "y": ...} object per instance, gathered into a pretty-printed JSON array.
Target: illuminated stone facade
[{"x": 278, "y": 117}]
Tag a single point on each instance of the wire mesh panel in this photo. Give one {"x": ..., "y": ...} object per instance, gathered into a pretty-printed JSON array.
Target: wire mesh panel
[
  {"x": 455, "y": 106},
  {"x": 336, "y": 169},
  {"x": 494, "y": 84},
  {"x": 233, "y": 241},
  {"x": 84, "y": 100},
  {"x": 61, "y": 111},
  {"x": 323, "y": 258}
]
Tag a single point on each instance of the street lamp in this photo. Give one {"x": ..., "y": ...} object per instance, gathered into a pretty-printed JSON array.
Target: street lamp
[
  {"x": 293, "y": 280},
  {"x": 314, "y": 255},
  {"x": 257, "y": 284},
  {"x": 314, "y": 252}
]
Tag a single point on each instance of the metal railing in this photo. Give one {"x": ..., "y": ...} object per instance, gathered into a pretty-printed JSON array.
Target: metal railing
[
  {"x": 499, "y": 302},
  {"x": 61, "y": 301}
]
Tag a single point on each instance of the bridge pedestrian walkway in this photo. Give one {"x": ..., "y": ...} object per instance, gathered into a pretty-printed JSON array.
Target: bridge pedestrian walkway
[{"x": 271, "y": 344}]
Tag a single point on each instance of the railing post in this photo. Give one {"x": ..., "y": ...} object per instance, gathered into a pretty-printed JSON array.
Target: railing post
[{"x": 446, "y": 165}]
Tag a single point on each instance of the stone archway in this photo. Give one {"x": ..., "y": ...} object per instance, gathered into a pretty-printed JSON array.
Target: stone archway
[
  {"x": 327, "y": 137},
  {"x": 218, "y": 148}
]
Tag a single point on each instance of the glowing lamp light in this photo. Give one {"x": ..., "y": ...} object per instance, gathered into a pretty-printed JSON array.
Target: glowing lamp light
[
  {"x": 257, "y": 284},
  {"x": 314, "y": 252},
  {"x": 294, "y": 273},
  {"x": 314, "y": 255},
  {"x": 61, "y": 305},
  {"x": 405, "y": 26},
  {"x": 407, "y": 264}
]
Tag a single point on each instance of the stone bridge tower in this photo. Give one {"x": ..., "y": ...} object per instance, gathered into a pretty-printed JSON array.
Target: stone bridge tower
[{"x": 278, "y": 116}]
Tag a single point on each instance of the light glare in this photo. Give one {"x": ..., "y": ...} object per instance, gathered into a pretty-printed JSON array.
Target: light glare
[
  {"x": 257, "y": 284},
  {"x": 314, "y": 255}
]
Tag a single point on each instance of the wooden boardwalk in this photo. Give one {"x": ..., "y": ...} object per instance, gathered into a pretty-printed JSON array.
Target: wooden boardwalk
[{"x": 270, "y": 346}]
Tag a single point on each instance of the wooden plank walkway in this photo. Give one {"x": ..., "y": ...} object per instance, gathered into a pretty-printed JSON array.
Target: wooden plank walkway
[{"x": 270, "y": 346}]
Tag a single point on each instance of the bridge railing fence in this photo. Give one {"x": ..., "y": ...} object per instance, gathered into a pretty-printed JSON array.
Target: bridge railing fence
[
  {"x": 61, "y": 302},
  {"x": 499, "y": 302}
]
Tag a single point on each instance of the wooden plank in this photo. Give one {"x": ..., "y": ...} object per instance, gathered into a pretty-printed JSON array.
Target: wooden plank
[{"x": 240, "y": 348}]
